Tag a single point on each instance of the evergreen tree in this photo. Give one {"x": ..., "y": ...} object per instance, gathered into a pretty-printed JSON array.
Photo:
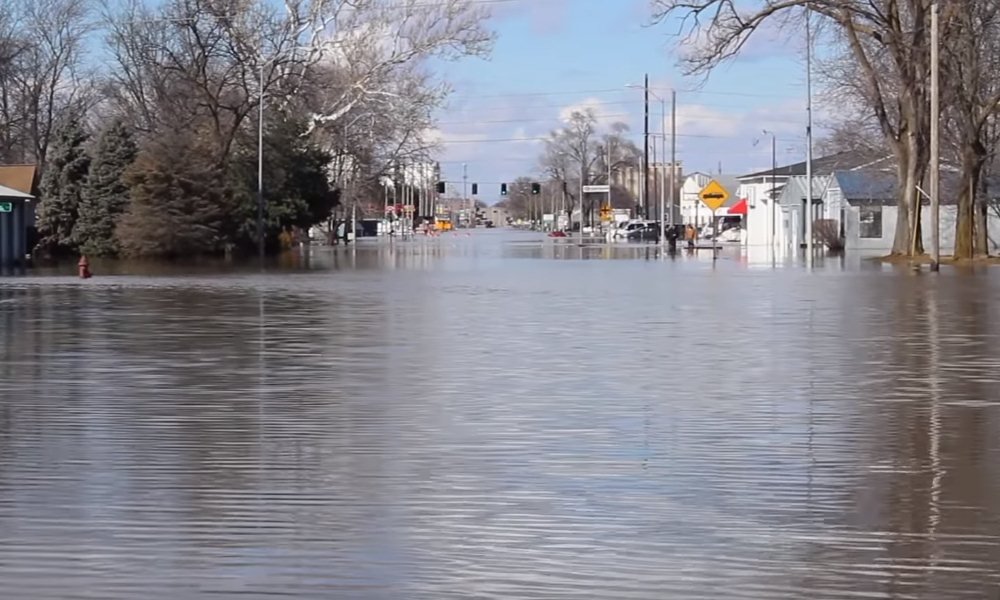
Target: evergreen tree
[
  {"x": 179, "y": 201},
  {"x": 105, "y": 195},
  {"x": 297, "y": 191},
  {"x": 61, "y": 187}
]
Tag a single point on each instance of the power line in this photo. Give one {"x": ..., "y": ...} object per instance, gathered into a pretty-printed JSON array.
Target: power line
[
  {"x": 635, "y": 134},
  {"x": 557, "y": 119},
  {"x": 690, "y": 91},
  {"x": 480, "y": 109}
]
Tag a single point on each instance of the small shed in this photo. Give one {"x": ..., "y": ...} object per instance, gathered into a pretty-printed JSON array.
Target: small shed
[{"x": 15, "y": 213}]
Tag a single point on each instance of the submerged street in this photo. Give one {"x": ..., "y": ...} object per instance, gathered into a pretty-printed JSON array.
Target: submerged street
[{"x": 491, "y": 417}]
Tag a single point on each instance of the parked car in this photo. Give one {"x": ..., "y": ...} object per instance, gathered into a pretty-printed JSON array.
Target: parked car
[
  {"x": 646, "y": 232},
  {"x": 626, "y": 228}
]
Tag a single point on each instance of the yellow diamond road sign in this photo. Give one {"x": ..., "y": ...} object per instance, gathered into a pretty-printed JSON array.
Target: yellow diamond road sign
[{"x": 714, "y": 195}]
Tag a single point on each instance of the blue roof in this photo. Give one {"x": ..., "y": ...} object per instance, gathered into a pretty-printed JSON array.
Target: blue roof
[{"x": 868, "y": 184}]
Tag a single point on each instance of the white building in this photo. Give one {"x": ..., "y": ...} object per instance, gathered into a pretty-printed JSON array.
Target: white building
[
  {"x": 692, "y": 210},
  {"x": 764, "y": 221},
  {"x": 861, "y": 205}
]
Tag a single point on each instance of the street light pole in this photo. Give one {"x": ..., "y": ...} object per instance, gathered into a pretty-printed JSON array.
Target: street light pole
[
  {"x": 809, "y": 181},
  {"x": 260, "y": 167},
  {"x": 645, "y": 151}
]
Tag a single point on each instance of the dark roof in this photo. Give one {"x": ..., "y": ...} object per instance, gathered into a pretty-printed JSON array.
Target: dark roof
[
  {"x": 823, "y": 165},
  {"x": 880, "y": 185},
  {"x": 867, "y": 184}
]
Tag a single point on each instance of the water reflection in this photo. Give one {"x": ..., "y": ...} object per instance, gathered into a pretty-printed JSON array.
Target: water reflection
[{"x": 467, "y": 417}]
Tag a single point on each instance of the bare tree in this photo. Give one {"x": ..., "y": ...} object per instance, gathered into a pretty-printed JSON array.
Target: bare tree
[
  {"x": 572, "y": 152},
  {"x": 372, "y": 41},
  {"x": 41, "y": 53},
  {"x": 577, "y": 155},
  {"x": 354, "y": 69},
  {"x": 887, "y": 42},
  {"x": 971, "y": 90},
  {"x": 622, "y": 154},
  {"x": 518, "y": 202},
  {"x": 198, "y": 62}
]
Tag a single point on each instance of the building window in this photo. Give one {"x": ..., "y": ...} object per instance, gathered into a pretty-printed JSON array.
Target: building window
[{"x": 870, "y": 219}]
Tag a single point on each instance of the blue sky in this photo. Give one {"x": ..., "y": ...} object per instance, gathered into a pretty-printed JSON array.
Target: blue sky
[{"x": 554, "y": 55}]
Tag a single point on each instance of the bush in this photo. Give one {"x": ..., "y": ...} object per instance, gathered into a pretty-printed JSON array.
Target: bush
[{"x": 827, "y": 232}]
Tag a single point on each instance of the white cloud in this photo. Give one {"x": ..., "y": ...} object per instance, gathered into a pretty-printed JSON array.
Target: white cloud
[{"x": 604, "y": 113}]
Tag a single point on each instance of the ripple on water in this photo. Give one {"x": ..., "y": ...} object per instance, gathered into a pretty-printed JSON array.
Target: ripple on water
[{"x": 477, "y": 419}]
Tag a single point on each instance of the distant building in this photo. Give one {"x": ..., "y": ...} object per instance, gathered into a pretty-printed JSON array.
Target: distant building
[
  {"x": 497, "y": 214},
  {"x": 692, "y": 210},
  {"x": 629, "y": 178}
]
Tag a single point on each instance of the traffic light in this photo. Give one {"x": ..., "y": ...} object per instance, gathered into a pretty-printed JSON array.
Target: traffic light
[
  {"x": 475, "y": 189},
  {"x": 536, "y": 188},
  {"x": 440, "y": 187},
  {"x": 503, "y": 189}
]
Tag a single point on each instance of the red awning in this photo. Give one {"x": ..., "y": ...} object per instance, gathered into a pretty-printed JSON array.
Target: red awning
[{"x": 740, "y": 208}]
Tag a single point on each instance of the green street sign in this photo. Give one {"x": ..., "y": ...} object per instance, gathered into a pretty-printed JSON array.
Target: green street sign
[{"x": 6, "y": 207}]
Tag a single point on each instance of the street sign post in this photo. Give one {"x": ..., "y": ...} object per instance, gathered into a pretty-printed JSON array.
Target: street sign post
[
  {"x": 596, "y": 189},
  {"x": 6, "y": 207},
  {"x": 714, "y": 196},
  {"x": 606, "y": 213}
]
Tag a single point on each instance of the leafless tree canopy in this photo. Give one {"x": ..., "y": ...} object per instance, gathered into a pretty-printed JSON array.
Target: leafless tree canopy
[
  {"x": 41, "y": 72},
  {"x": 577, "y": 154},
  {"x": 880, "y": 72}
]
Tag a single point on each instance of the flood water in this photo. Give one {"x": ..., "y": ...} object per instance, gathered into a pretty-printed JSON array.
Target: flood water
[{"x": 492, "y": 417}]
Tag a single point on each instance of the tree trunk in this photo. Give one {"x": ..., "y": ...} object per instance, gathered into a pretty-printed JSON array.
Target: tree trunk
[
  {"x": 982, "y": 224},
  {"x": 916, "y": 172},
  {"x": 901, "y": 239},
  {"x": 965, "y": 221}
]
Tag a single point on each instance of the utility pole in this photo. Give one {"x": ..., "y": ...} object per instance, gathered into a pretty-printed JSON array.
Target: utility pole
[
  {"x": 609, "y": 184},
  {"x": 583, "y": 169},
  {"x": 935, "y": 141},
  {"x": 465, "y": 194},
  {"x": 663, "y": 173},
  {"x": 809, "y": 147},
  {"x": 773, "y": 200},
  {"x": 645, "y": 150},
  {"x": 673, "y": 153},
  {"x": 774, "y": 188}
]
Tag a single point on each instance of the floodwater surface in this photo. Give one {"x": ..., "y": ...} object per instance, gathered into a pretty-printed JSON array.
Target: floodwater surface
[{"x": 492, "y": 417}]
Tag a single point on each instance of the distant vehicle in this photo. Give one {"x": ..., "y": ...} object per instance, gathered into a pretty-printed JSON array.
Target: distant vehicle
[
  {"x": 490, "y": 225},
  {"x": 648, "y": 231},
  {"x": 624, "y": 230}
]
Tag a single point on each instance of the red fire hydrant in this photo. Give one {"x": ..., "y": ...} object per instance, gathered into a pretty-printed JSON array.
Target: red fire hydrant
[{"x": 84, "y": 268}]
